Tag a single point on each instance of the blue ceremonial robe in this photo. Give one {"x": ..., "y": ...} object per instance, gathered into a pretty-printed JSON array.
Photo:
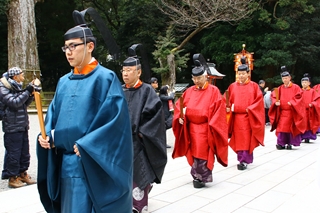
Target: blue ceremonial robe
[{"x": 91, "y": 112}]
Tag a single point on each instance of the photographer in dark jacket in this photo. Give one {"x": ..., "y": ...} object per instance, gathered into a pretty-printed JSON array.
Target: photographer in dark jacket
[
  {"x": 165, "y": 98},
  {"x": 15, "y": 125}
]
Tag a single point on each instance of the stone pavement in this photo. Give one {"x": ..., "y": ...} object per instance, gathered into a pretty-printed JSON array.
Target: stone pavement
[{"x": 278, "y": 181}]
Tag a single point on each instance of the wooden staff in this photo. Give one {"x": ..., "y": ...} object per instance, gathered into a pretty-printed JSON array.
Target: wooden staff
[
  {"x": 40, "y": 114},
  {"x": 181, "y": 107},
  {"x": 228, "y": 106},
  {"x": 276, "y": 92},
  {"x": 37, "y": 99},
  {"x": 227, "y": 99}
]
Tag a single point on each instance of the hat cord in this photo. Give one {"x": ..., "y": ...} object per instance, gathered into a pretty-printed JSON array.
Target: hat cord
[{"x": 84, "y": 49}]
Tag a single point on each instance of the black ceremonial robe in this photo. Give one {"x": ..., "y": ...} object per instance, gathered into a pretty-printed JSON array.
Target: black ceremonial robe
[{"x": 149, "y": 134}]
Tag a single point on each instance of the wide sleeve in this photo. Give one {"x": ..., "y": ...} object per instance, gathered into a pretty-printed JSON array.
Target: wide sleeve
[
  {"x": 105, "y": 148},
  {"x": 152, "y": 129},
  {"x": 274, "y": 112},
  {"x": 182, "y": 141},
  {"x": 315, "y": 112},
  {"x": 49, "y": 162},
  {"x": 298, "y": 112},
  {"x": 218, "y": 134},
  {"x": 107, "y": 164},
  {"x": 256, "y": 114}
]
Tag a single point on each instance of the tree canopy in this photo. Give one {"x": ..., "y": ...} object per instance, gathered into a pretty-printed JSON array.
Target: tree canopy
[{"x": 279, "y": 32}]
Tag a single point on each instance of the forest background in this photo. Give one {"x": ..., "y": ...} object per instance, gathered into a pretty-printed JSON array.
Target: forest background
[{"x": 279, "y": 32}]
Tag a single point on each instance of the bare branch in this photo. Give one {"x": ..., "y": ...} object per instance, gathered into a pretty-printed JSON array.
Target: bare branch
[
  {"x": 274, "y": 10},
  {"x": 195, "y": 15}
]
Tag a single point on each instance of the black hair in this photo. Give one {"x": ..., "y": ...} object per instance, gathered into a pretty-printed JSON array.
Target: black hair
[
  {"x": 90, "y": 39},
  {"x": 152, "y": 80},
  {"x": 163, "y": 90}
]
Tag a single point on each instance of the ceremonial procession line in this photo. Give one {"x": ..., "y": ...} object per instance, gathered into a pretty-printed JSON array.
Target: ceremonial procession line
[{"x": 278, "y": 181}]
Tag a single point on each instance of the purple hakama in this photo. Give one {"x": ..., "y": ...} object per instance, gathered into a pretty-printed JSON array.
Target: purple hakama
[
  {"x": 287, "y": 138},
  {"x": 140, "y": 198},
  {"x": 244, "y": 156},
  {"x": 308, "y": 135},
  {"x": 200, "y": 171}
]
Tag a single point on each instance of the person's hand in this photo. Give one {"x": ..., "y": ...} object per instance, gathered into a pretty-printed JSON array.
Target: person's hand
[
  {"x": 310, "y": 105},
  {"x": 266, "y": 89},
  {"x": 181, "y": 121},
  {"x": 30, "y": 88},
  {"x": 76, "y": 150},
  {"x": 228, "y": 109},
  {"x": 36, "y": 84},
  {"x": 37, "y": 89},
  {"x": 289, "y": 103},
  {"x": 44, "y": 143},
  {"x": 277, "y": 103}
]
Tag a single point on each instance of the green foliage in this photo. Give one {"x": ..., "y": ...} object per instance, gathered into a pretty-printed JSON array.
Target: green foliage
[
  {"x": 282, "y": 24},
  {"x": 53, "y": 19},
  {"x": 164, "y": 46},
  {"x": 265, "y": 16},
  {"x": 131, "y": 22},
  {"x": 4, "y": 6},
  {"x": 283, "y": 33}
]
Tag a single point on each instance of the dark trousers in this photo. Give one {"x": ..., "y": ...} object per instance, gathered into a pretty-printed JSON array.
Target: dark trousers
[
  {"x": 267, "y": 116},
  {"x": 17, "y": 156}
]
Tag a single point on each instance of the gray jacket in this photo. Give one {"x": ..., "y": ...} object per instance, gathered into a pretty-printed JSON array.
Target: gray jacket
[
  {"x": 267, "y": 100},
  {"x": 16, "y": 102}
]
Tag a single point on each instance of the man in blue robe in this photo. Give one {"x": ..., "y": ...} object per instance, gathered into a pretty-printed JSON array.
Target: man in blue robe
[
  {"x": 149, "y": 133},
  {"x": 85, "y": 162}
]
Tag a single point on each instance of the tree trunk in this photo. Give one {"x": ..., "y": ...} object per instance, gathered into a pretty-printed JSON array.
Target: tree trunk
[
  {"x": 22, "y": 38},
  {"x": 170, "y": 78}
]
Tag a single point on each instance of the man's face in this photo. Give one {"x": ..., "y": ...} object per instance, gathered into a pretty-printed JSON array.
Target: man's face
[
  {"x": 199, "y": 80},
  {"x": 286, "y": 80},
  {"x": 154, "y": 84},
  {"x": 305, "y": 84},
  {"x": 243, "y": 76},
  {"x": 78, "y": 53},
  {"x": 262, "y": 85},
  {"x": 19, "y": 78},
  {"x": 130, "y": 75}
]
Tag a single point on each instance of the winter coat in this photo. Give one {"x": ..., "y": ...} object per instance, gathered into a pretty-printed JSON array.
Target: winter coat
[{"x": 16, "y": 102}]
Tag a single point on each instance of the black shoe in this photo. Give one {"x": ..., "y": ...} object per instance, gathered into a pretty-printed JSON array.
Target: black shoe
[
  {"x": 198, "y": 183},
  {"x": 289, "y": 147},
  {"x": 279, "y": 147},
  {"x": 168, "y": 146},
  {"x": 135, "y": 210},
  {"x": 242, "y": 166},
  {"x": 306, "y": 140}
]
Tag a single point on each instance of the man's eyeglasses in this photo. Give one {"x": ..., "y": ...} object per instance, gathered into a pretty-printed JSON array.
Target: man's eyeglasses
[{"x": 71, "y": 47}]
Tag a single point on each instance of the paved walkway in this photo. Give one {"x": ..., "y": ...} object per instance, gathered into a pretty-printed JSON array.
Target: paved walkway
[{"x": 278, "y": 181}]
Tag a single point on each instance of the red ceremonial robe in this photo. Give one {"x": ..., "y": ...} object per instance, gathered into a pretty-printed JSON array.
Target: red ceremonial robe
[
  {"x": 316, "y": 88},
  {"x": 310, "y": 96},
  {"x": 247, "y": 122},
  {"x": 290, "y": 118},
  {"x": 204, "y": 132}
]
